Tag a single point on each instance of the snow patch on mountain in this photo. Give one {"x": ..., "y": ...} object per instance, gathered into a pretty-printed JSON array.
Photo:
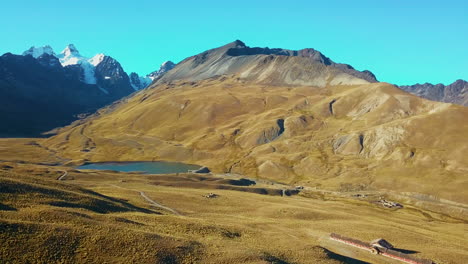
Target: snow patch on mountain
[
  {"x": 98, "y": 58},
  {"x": 70, "y": 51},
  {"x": 88, "y": 72},
  {"x": 141, "y": 82},
  {"x": 165, "y": 67},
  {"x": 36, "y": 52},
  {"x": 71, "y": 56}
]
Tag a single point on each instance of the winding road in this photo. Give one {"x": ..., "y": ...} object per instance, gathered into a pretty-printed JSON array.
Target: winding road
[
  {"x": 152, "y": 202},
  {"x": 149, "y": 200},
  {"x": 61, "y": 178}
]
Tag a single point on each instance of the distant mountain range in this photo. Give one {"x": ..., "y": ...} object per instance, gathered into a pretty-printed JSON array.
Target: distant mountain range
[
  {"x": 41, "y": 90},
  {"x": 456, "y": 93}
]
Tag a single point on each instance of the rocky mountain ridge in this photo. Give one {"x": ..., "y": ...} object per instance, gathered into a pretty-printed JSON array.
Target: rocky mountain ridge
[
  {"x": 456, "y": 92},
  {"x": 269, "y": 66},
  {"x": 42, "y": 90}
]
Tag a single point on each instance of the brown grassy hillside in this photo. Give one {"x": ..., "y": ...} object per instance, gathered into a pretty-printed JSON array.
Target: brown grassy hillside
[
  {"x": 370, "y": 136},
  {"x": 101, "y": 217}
]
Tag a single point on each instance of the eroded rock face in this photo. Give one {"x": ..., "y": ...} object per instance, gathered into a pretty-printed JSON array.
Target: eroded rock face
[
  {"x": 272, "y": 133},
  {"x": 349, "y": 144},
  {"x": 381, "y": 141},
  {"x": 254, "y": 136}
]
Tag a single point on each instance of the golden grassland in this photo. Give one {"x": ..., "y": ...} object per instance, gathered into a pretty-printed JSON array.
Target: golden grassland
[
  {"x": 100, "y": 216},
  {"x": 370, "y": 136},
  {"x": 336, "y": 141}
]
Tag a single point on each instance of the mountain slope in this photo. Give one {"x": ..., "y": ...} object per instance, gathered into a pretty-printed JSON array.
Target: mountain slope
[
  {"x": 36, "y": 98},
  {"x": 42, "y": 90},
  {"x": 327, "y": 128},
  {"x": 456, "y": 93}
]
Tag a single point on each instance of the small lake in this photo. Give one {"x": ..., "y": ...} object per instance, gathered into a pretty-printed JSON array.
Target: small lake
[{"x": 148, "y": 167}]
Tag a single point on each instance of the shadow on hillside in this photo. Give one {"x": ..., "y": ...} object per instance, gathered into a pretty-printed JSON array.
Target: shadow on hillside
[
  {"x": 100, "y": 206},
  {"x": 216, "y": 183},
  {"x": 4, "y": 207},
  {"x": 70, "y": 196},
  {"x": 405, "y": 251},
  {"x": 119, "y": 201},
  {"x": 273, "y": 260},
  {"x": 344, "y": 259}
]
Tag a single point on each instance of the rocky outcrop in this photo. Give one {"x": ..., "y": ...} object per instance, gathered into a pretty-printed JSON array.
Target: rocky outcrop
[
  {"x": 255, "y": 136},
  {"x": 111, "y": 77},
  {"x": 349, "y": 145}
]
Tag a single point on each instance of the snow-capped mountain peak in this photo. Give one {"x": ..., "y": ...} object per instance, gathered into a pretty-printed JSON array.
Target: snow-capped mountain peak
[
  {"x": 70, "y": 51},
  {"x": 90, "y": 72},
  {"x": 36, "y": 52},
  {"x": 71, "y": 56},
  {"x": 165, "y": 66}
]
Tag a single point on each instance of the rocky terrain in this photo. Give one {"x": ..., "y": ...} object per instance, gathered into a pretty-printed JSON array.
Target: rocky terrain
[{"x": 456, "y": 93}]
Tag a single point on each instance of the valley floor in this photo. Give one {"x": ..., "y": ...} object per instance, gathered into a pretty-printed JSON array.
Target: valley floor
[{"x": 104, "y": 216}]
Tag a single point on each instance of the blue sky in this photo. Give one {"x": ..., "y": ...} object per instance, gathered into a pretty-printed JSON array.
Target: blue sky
[{"x": 401, "y": 41}]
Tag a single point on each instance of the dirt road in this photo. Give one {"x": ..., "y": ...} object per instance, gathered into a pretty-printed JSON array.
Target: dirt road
[
  {"x": 61, "y": 178},
  {"x": 149, "y": 200}
]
